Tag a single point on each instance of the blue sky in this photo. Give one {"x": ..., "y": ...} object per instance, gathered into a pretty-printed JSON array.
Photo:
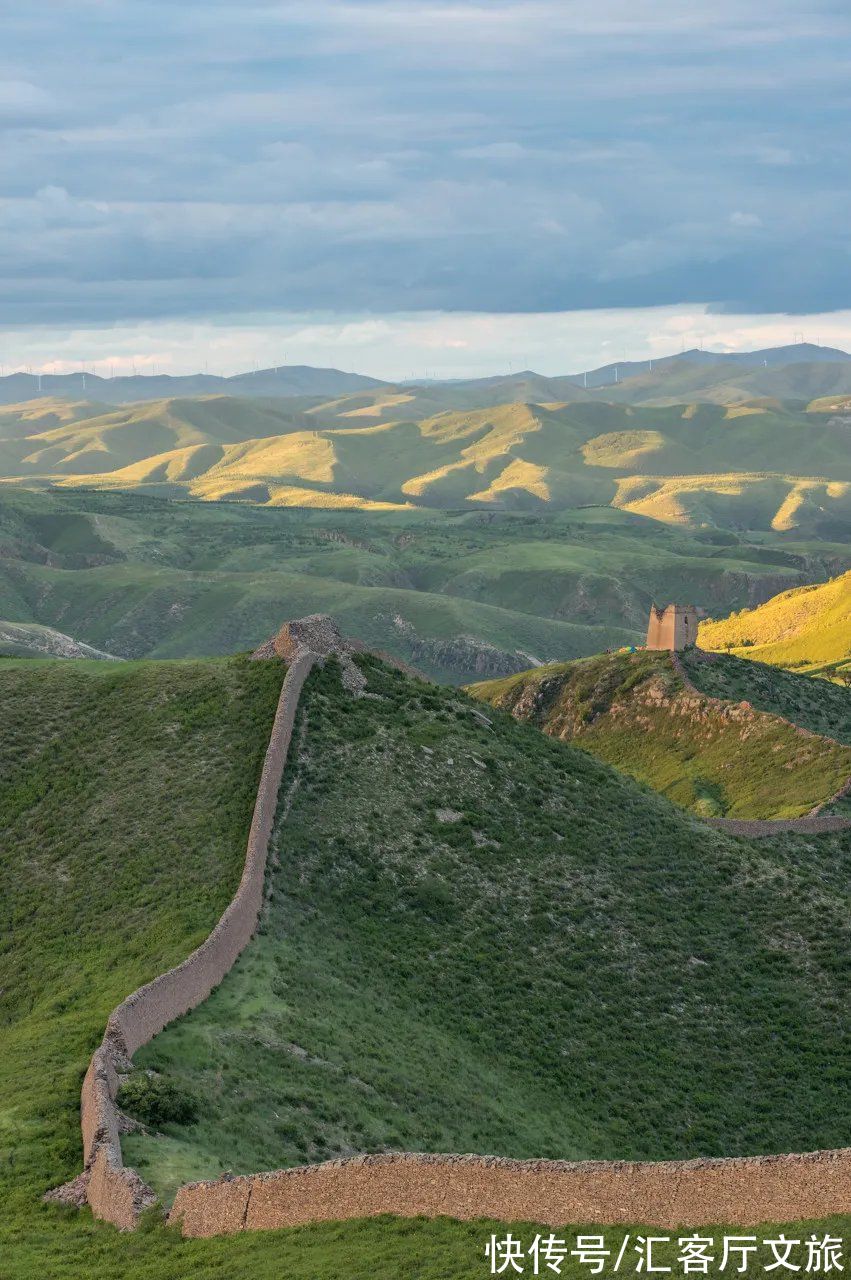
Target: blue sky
[{"x": 191, "y": 179}]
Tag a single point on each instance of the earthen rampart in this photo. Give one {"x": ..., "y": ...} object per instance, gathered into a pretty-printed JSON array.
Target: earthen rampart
[
  {"x": 672, "y": 1193},
  {"x": 113, "y": 1191},
  {"x": 758, "y": 828}
]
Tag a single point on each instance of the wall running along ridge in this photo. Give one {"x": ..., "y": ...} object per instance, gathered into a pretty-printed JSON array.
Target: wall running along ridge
[
  {"x": 114, "y": 1192},
  {"x": 744, "y": 1191}
]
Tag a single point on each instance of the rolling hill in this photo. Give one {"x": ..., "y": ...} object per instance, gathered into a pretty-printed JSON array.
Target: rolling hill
[
  {"x": 695, "y": 464},
  {"x": 807, "y": 627},
  {"x": 735, "y": 760},
  {"x": 641, "y": 997},
  {"x": 460, "y": 596},
  {"x": 419, "y": 985}
]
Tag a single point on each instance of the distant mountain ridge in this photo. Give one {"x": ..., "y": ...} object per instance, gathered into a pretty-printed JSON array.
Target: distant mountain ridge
[
  {"x": 290, "y": 381},
  {"x": 284, "y": 380}
]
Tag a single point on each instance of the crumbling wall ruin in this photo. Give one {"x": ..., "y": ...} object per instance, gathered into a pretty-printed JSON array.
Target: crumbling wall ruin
[{"x": 674, "y": 627}]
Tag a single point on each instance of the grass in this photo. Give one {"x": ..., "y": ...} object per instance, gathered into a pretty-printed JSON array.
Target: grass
[
  {"x": 479, "y": 939},
  {"x": 816, "y": 705},
  {"x": 123, "y": 784},
  {"x": 460, "y": 596},
  {"x": 633, "y": 711},
  {"x": 806, "y": 627},
  {"x": 126, "y": 795}
]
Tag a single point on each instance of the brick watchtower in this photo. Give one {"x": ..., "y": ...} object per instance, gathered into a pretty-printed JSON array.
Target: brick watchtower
[{"x": 672, "y": 628}]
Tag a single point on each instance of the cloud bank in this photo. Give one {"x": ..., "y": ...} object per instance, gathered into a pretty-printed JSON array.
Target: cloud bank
[{"x": 200, "y": 160}]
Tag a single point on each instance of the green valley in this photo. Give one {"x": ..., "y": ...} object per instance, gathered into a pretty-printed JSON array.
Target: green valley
[{"x": 459, "y": 595}]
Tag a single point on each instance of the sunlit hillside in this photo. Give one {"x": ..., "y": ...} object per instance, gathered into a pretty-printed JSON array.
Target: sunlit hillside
[
  {"x": 719, "y": 759},
  {"x": 808, "y": 627},
  {"x": 758, "y": 466}
]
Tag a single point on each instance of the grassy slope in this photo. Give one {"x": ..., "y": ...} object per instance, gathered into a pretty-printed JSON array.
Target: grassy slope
[
  {"x": 816, "y": 705},
  {"x": 806, "y": 627},
  {"x": 688, "y": 463},
  {"x": 633, "y": 711},
  {"x": 141, "y": 577},
  {"x": 72, "y": 953},
  {"x": 481, "y": 939}
]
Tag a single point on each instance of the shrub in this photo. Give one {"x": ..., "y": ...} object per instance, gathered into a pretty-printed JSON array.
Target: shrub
[{"x": 157, "y": 1100}]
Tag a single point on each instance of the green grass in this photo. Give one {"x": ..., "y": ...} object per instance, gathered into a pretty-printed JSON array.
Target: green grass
[
  {"x": 460, "y": 596},
  {"x": 805, "y": 627},
  {"x": 480, "y": 939},
  {"x": 126, "y": 795},
  {"x": 816, "y": 705},
  {"x": 123, "y": 784},
  {"x": 633, "y": 711}
]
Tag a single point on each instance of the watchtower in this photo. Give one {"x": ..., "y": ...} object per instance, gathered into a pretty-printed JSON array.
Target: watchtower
[{"x": 672, "y": 628}]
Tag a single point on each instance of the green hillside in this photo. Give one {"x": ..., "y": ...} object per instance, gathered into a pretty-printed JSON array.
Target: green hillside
[
  {"x": 479, "y": 939},
  {"x": 807, "y": 627},
  {"x": 688, "y": 462},
  {"x": 124, "y": 783},
  {"x": 816, "y": 705},
  {"x": 461, "y": 596},
  {"x": 634, "y": 711},
  {"x": 121, "y": 787}
]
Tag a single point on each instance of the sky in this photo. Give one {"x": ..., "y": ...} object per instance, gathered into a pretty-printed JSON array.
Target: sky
[{"x": 408, "y": 188}]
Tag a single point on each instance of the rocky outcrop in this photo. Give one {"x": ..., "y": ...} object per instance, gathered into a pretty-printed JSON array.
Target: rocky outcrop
[{"x": 463, "y": 655}]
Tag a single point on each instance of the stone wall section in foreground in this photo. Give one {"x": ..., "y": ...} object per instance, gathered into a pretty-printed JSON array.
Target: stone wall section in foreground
[
  {"x": 114, "y": 1192},
  {"x": 671, "y": 1193}
]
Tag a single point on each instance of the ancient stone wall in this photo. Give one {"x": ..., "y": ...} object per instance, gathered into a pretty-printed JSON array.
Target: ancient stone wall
[
  {"x": 740, "y": 1191},
  {"x": 113, "y": 1191},
  {"x": 743, "y": 1192},
  {"x": 757, "y": 828}
]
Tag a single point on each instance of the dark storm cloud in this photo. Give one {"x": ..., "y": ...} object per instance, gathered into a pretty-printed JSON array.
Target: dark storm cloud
[{"x": 199, "y": 159}]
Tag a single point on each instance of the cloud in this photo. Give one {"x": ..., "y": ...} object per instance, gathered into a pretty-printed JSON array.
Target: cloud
[
  {"x": 400, "y": 346},
  {"x": 206, "y": 159},
  {"x": 740, "y": 219}
]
